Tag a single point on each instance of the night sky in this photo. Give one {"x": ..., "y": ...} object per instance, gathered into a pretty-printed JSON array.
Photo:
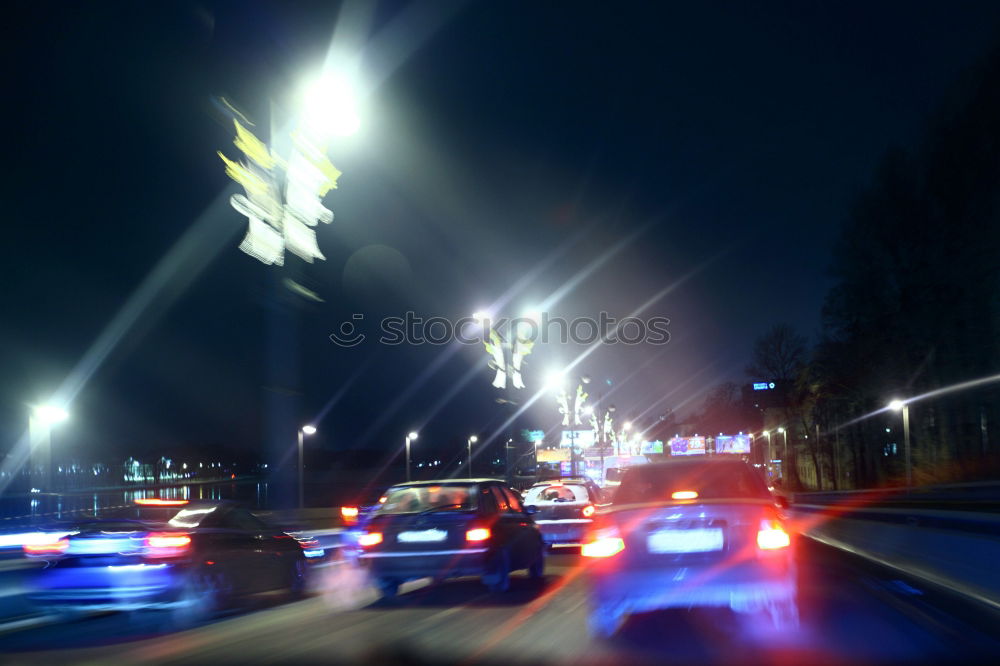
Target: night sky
[{"x": 513, "y": 144}]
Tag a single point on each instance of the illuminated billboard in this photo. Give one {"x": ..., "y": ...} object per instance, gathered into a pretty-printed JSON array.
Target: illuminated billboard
[
  {"x": 553, "y": 455},
  {"x": 652, "y": 447},
  {"x": 687, "y": 446},
  {"x": 732, "y": 444}
]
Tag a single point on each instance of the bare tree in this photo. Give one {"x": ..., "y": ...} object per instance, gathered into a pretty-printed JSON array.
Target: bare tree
[{"x": 778, "y": 355}]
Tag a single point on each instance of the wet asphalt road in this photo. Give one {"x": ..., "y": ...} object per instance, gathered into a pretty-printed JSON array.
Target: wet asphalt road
[{"x": 852, "y": 612}]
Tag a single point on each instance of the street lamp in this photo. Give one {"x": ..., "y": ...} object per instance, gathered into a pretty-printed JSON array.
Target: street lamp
[
  {"x": 40, "y": 423},
  {"x": 901, "y": 406},
  {"x": 472, "y": 440},
  {"x": 784, "y": 455},
  {"x": 409, "y": 438},
  {"x": 303, "y": 431},
  {"x": 329, "y": 107}
]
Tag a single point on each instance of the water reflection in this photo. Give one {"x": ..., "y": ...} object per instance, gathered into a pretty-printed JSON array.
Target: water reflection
[{"x": 44, "y": 507}]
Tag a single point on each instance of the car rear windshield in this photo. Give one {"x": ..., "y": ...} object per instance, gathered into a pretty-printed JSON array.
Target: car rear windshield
[
  {"x": 556, "y": 494},
  {"x": 443, "y": 497},
  {"x": 657, "y": 483}
]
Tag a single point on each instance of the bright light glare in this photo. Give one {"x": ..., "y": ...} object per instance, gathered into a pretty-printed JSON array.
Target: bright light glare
[
  {"x": 588, "y": 410},
  {"x": 478, "y": 534},
  {"x": 329, "y": 107},
  {"x": 684, "y": 495},
  {"x": 155, "y": 501},
  {"x": 555, "y": 380},
  {"x": 781, "y": 430},
  {"x": 50, "y": 414},
  {"x": 628, "y": 425},
  {"x": 412, "y": 435},
  {"x": 309, "y": 430},
  {"x": 603, "y": 547},
  {"x": 772, "y": 537},
  {"x": 349, "y": 511},
  {"x": 473, "y": 439},
  {"x": 897, "y": 405},
  {"x": 370, "y": 539}
]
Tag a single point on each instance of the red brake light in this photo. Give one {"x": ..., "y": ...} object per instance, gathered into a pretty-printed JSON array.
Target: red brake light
[
  {"x": 478, "y": 534},
  {"x": 349, "y": 514},
  {"x": 603, "y": 543},
  {"x": 684, "y": 495},
  {"x": 370, "y": 539},
  {"x": 46, "y": 547},
  {"x": 772, "y": 536},
  {"x": 588, "y": 511},
  {"x": 167, "y": 544},
  {"x": 155, "y": 501}
]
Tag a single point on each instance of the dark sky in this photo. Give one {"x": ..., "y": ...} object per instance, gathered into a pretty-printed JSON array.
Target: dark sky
[{"x": 503, "y": 144}]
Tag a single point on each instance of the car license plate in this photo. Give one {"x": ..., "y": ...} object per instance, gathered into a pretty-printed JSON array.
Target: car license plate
[
  {"x": 422, "y": 536},
  {"x": 685, "y": 541}
]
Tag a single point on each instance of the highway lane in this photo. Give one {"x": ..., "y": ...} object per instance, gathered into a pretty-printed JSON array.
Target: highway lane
[{"x": 852, "y": 613}]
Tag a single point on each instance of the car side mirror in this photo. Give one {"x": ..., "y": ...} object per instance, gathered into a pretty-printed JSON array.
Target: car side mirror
[
  {"x": 531, "y": 509},
  {"x": 781, "y": 501}
]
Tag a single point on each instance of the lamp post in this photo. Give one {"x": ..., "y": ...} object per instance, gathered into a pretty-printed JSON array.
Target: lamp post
[
  {"x": 784, "y": 454},
  {"x": 409, "y": 438},
  {"x": 472, "y": 440},
  {"x": 40, "y": 423},
  {"x": 768, "y": 452},
  {"x": 901, "y": 406},
  {"x": 303, "y": 431},
  {"x": 572, "y": 406}
]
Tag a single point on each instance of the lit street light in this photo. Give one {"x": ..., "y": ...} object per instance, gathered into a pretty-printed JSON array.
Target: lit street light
[
  {"x": 40, "y": 423},
  {"x": 784, "y": 455},
  {"x": 901, "y": 406},
  {"x": 303, "y": 431},
  {"x": 329, "y": 107},
  {"x": 49, "y": 414},
  {"x": 472, "y": 440},
  {"x": 409, "y": 438}
]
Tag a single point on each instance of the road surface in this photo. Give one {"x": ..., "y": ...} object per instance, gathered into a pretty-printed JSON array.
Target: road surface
[{"x": 852, "y": 613}]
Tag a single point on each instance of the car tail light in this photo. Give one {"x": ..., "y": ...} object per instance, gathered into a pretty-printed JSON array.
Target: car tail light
[
  {"x": 772, "y": 536},
  {"x": 684, "y": 495},
  {"x": 349, "y": 514},
  {"x": 478, "y": 534},
  {"x": 156, "y": 501},
  {"x": 46, "y": 546},
  {"x": 587, "y": 511},
  {"x": 383, "y": 499},
  {"x": 167, "y": 544},
  {"x": 603, "y": 543},
  {"x": 369, "y": 539}
]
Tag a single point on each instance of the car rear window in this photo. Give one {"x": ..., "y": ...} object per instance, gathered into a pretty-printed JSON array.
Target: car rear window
[
  {"x": 557, "y": 494},
  {"x": 656, "y": 483},
  {"x": 444, "y": 497}
]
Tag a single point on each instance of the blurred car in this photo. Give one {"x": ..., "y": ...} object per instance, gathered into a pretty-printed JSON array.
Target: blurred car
[
  {"x": 595, "y": 492},
  {"x": 449, "y": 528},
  {"x": 564, "y": 510},
  {"x": 613, "y": 478},
  {"x": 189, "y": 558},
  {"x": 355, "y": 518},
  {"x": 690, "y": 533}
]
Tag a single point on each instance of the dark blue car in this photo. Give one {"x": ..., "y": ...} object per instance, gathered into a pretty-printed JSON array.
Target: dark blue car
[
  {"x": 450, "y": 528},
  {"x": 187, "y": 558}
]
